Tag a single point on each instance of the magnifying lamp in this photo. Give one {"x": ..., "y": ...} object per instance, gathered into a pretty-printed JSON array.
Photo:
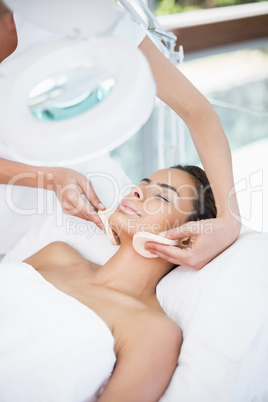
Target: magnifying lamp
[{"x": 77, "y": 97}]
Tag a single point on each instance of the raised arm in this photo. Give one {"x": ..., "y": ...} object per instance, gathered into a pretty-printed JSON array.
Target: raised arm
[
  {"x": 146, "y": 360},
  {"x": 213, "y": 149},
  {"x": 68, "y": 185}
]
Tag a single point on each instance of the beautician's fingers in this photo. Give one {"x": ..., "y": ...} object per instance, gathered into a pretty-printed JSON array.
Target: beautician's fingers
[
  {"x": 74, "y": 204},
  {"x": 89, "y": 192},
  {"x": 82, "y": 209},
  {"x": 69, "y": 186},
  {"x": 199, "y": 252},
  {"x": 169, "y": 253},
  {"x": 207, "y": 239}
]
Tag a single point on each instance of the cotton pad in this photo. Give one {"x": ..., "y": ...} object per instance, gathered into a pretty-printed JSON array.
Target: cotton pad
[
  {"x": 104, "y": 216},
  {"x": 140, "y": 238}
]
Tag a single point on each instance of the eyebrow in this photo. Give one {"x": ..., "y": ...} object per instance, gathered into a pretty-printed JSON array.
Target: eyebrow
[{"x": 164, "y": 185}]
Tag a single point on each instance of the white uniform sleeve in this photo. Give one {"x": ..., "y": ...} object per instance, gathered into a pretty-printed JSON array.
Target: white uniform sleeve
[
  {"x": 129, "y": 30},
  {"x": 30, "y": 37}
]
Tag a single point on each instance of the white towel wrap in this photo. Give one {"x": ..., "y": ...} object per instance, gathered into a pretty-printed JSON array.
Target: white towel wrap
[{"x": 52, "y": 347}]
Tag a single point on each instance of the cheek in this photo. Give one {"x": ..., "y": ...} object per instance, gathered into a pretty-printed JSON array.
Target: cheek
[
  {"x": 166, "y": 219},
  {"x": 120, "y": 222},
  {"x": 153, "y": 224},
  {"x": 178, "y": 215},
  {"x": 173, "y": 221},
  {"x": 128, "y": 225},
  {"x": 153, "y": 207},
  {"x": 184, "y": 208}
]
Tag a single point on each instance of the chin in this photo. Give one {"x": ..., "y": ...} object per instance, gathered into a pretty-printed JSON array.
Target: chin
[{"x": 121, "y": 223}]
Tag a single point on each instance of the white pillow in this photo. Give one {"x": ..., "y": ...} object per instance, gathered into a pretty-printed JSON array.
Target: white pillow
[
  {"x": 221, "y": 310},
  {"x": 240, "y": 270}
]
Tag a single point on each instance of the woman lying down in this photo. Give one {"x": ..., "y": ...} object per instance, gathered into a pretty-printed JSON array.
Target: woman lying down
[{"x": 145, "y": 342}]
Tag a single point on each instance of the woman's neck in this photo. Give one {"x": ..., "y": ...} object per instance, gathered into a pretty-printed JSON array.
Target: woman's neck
[{"x": 130, "y": 273}]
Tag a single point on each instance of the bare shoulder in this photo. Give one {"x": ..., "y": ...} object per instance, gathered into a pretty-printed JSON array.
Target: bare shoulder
[
  {"x": 163, "y": 334},
  {"x": 146, "y": 359},
  {"x": 163, "y": 328},
  {"x": 153, "y": 328},
  {"x": 57, "y": 253}
]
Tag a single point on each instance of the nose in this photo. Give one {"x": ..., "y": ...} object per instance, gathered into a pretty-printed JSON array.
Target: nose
[{"x": 137, "y": 192}]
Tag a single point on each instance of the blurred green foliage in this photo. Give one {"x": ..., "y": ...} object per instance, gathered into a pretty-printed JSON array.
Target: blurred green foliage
[
  {"x": 172, "y": 6},
  {"x": 176, "y": 6}
]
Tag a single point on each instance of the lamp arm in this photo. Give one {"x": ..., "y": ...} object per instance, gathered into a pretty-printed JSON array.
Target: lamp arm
[{"x": 165, "y": 41}]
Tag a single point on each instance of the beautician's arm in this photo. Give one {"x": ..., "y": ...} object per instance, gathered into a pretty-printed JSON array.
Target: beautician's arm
[
  {"x": 145, "y": 361},
  {"x": 68, "y": 185},
  {"x": 211, "y": 237}
]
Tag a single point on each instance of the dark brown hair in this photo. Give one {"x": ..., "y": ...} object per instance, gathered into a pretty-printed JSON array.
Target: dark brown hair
[{"x": 204, "y": 206}]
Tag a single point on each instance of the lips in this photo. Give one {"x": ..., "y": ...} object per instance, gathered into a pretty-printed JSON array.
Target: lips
[{"x": 129, "y": 208}]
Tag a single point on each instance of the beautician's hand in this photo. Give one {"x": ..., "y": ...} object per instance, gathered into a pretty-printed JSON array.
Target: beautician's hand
[
  {"x": 69, "y": 186},
  {"x": 208, "y": 238}
]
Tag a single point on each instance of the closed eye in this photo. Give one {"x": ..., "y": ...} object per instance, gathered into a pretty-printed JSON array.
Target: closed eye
[{"x": 163, "y": 198}]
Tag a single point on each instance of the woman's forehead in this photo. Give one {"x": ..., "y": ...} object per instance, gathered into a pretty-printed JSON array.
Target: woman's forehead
[{"x": 175, "y": 177}]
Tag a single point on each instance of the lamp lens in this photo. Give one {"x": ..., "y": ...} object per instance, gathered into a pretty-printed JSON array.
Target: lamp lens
[{"x": 70, "y": 93}]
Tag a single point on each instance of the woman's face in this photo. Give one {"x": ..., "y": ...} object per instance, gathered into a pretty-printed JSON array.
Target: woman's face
[{"x": 160, "y": 202}]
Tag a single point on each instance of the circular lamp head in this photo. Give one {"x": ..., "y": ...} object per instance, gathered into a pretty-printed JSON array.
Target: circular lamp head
[
  {"x": 75, "y": 99},
  {"x": 73, "y": 18}
]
